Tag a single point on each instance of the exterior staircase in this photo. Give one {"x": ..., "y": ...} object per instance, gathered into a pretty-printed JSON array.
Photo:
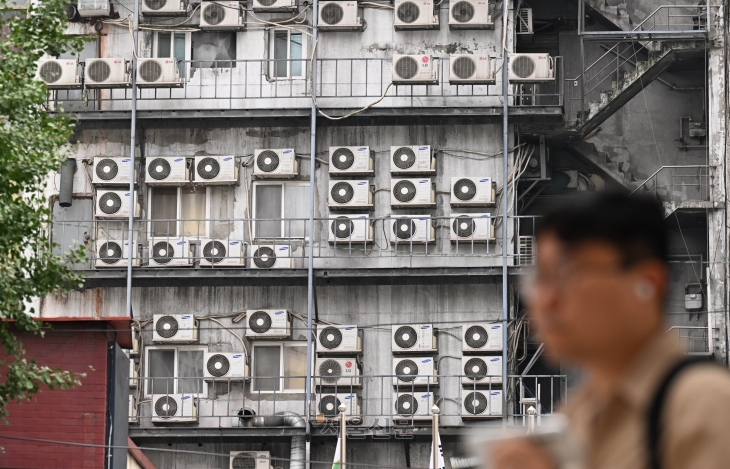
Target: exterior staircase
[{"x": 617, "y": 172}]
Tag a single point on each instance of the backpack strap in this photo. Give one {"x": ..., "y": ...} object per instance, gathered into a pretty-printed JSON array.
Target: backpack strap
[{"x": 654, "y": 429}]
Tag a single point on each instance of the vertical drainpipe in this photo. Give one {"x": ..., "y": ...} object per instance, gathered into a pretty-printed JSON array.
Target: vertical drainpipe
[
  {"x": 133, "y": 129},
  {"x": 310, "y": 270},
  {"x": 505, "y": 190}
]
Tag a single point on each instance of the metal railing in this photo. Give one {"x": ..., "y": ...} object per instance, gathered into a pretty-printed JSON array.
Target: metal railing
[
  {"x": 675, "y": 18},
  {"x": 680, "y": 184},
  {"x": 695, "y": 339},
  {"x": 342, "y": 83}
]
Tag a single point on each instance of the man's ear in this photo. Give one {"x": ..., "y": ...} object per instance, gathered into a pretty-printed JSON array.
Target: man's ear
[{"x": 651, "y": 284}]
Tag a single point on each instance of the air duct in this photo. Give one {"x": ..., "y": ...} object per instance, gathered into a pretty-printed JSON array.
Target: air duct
[
  {"x": 65, "y": 193},
  {"x": 298, "y": 442}
]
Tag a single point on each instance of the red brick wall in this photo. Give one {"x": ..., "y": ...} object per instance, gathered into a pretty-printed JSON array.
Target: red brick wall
[{"x": 76, "y": 415}]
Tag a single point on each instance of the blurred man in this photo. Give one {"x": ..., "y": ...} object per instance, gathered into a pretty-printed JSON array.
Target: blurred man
[{"x": 596, "y": 298}]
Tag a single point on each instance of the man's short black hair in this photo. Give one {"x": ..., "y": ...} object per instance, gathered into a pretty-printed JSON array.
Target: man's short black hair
[{"x": 634, "y": 224}]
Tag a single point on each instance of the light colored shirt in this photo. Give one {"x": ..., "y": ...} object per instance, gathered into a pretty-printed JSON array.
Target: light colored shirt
[{"x": 695, "y": 419}]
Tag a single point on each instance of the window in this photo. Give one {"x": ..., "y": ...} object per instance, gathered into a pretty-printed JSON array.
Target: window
[
  {"x": 270, "y": 359},
  {"x": 178, "y": 211},
  {"x": 175, "y": 45},
  {"x": 214, "y": 49},
  {"x": 283, "y": 201},
  {"x": 286, "y": 51},
  {"x": 164, "y": 364}
]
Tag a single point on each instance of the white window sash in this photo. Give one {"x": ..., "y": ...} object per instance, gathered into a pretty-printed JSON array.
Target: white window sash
[
  {"x": 282, "y": 378},
  {"x": 178, "y": 213},
  {"x": 175, "y": 366},
  {"x": 272, "y": 56},
  {"x": 282, "y": 230}
]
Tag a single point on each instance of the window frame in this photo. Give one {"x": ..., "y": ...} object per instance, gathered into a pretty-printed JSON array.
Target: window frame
[
  {"x": 282, "y": 378},
  {"x": 282, "y": 231},
  {"x": 272, "y": 63},
  {"x": 188, "y": 49},
  {"x": 177, "y": 349},
  {"x": 178, "y": 214}
]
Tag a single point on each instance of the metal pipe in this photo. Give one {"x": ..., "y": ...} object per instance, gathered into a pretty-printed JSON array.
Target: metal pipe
[
  {"x": 505, "y": 185},
  {"x": 297, "y": 455},
  {"x": 343, "y": 436},
  {"x": 132, "y": 195}
]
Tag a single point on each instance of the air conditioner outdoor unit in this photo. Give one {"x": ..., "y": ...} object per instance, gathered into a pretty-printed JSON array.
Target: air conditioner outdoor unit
[
  {"x": 328, "y": 405},
  {"x": 281, "y": 163},
  {"x": 175, "y": 328},
  {"x": 470, "y": 14},
  {"x": 115, "y": 254},
  {"x": 112, "y": 171},
  {"x": 268, "y": 256},
  {"x": 216, "y": 170},
  {"x": 351, "y": 161},
  {"x": 406, "y": 193},
  {"x": 413, "y": 338},
  {"x": 412, "y": 229},
  {"x": 350, "y": 195},
  {"x": 340, "y": 372},
  {"x": 531, "y": 68},
  {"x": 250, "y": 460},
  {"x": 170, "y": 252},
  {"x": 481, "y": 404},
  {"x": 339, "y": 16},
  {"x": 174, "y": 408},
  {"x": 225, "y": 366},
  {"x": 92, "y": 8},
  {"x": 222, "y": 253},
  {"x": 222, "y": 15},
  {"x": 133, "y": 373},
  {"x": 409, "y": 406},
  {"x": 525, "y": 250},
  {"x": 472, "y": 192},
  {"x": 132, "y": 415},
  {"x": 415, "y": 15},
  {"x": 482, "y": 338},
  {"x": 334, "y": 340},
  {"x": 167, "y": 171},
  {"x": 412, "y": 159},
  {"x": 414, "y": 371},
  {"x": 268, "y": 324},
  {"x": 106, "y": 73},
  {"x": 481, "y": 371},
  {"x": 115, "y": 204},
  {"x": 414, "y": 69},
  {"x": 164, "y": 8},
  {"x": 158, "y": 73},
  {"x": 59, "y": 74},
  {"x": 472, "y": 228},
  {"x": 274, "y": 5},
  {"x": 524, "y": 21},
  {"x": 472, "y": 69},
  {"x": 350, "y": 229}
]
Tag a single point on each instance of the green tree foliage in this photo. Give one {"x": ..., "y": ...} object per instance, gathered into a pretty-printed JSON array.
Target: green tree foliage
[{"x": 31, "y": 146}]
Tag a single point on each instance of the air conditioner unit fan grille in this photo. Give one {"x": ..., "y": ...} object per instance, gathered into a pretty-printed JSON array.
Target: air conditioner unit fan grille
[
  {"x": 404, "y": 191},
  {"x": 408, "y": 12},
  {"x": 404, "y": 158},
  {"x": 155, "y": 4},
  {"x": 465, "y": 189},
  {"x": 214, "y": 251},
  {"x": 218, "y": 365},
  {"x": 264, "y": 258},
  {"x": 330, "y": 337},
  {"x": 110, "y": 253},
  {"x": 406, "y": 404},
  {"x": 404, "y": 228},
  {"x": 267, "y": 161},
  {"x": 406, "y": 67},
  {"x": 50, "y": 72},
  {"x": 342, "y": 192},
  {"x": 332, "y": 13},
  {"x": 267, "y": 3},
  {"x": 159, "y": 169},
  {"x": 99, "y": 71},
  {"x": 208, "y": 168},
  {"x": 110, "y": 203},
  {"x": 464, "y": 67},
  {"x": 330, "y": 371},
  {"x": 475, "y": 403},
  {"x": 167, "y": 327},
  {"x": 464, "y": 226},
  {"x": 475, "y": 369},
  {"x": 342, "y": 158},
  {"x": 166, "y": 406},
  {"x": 214, "y": 14},
  {"x": 523, "y": 66},
  {"x": 243, "y": 461},
  {"x": 406, "y": 370},
  {"x": 476, "y": 337},
  {"x": 329, "y": 405},
  {"x": 462, "y": 12},
  {"x": 259, "y": 322},
  {"x": 405, "y": 337},
  {"x": 343, "y": 227},
  {"x": 150, "y": 71},
  {"x": 163, "y": 252},
  {"x": 107, "y": 169}
]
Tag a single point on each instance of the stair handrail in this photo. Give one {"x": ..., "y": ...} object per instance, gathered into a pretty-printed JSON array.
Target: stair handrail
[{"x": 668, "y": 167}]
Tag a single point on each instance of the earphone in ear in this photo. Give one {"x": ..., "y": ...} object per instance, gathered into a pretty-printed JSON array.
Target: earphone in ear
[{"x": 644, "y": 290}]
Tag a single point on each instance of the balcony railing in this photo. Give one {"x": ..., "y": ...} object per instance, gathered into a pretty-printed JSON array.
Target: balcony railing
[
  {"x": 680, "y": 185},
  {"x": 341, "y": 84}
]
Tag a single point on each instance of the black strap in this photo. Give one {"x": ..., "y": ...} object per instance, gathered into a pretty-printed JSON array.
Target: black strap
[{"x": 654, "y": 429}]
